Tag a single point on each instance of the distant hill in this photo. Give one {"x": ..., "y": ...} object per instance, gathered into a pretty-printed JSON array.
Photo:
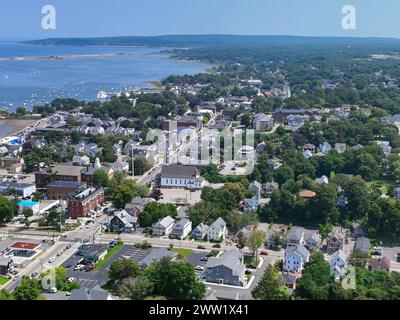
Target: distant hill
[{"x": 193, "y": 41}]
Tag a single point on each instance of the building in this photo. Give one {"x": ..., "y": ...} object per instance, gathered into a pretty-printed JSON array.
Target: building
[
  {"x": 223, "y": 295},
  {"x": 24, "y": 249},
  {"x": 200, "y": 232},
  {"x": 95, "y": 293},
  {"x": 363, "y": 244},
  {"x": 5, "y": 264},
  {"x": 23, "y": 189},
  {"x": 81, "y": 203},
  {"x": 281, "y": 115},
  {"x": 60, "y": 190},
  {"x": 120, "y": 166},
  {"x": 382, "y": 264},
  {"x": 88, "y": 173},
  {"x": 358, "y": 231},
  {"x": 156, "y": 255},
  {"x": 295, "y": 237},
  {"x": 228, "y": 269},
  {"x": 59, "y": 172},
  {"x": 256, "y": 187},
  {"x": 340, "y": 147},
  {"x": 322, "y": 180},
  {"x": 217, "y": 230},
  {"x": 307, "y": 194},
  {"x": 325, "y": 147},
  {"x": 334, "y": 243},
  {"x": 314, "y": 241},
  {"x": 263, "y": 122},
  {"x": 123, "y": 222},
  {"x": 338, "y": 264},
  {"x": 181, "y": 176},
  {"x": 251, "y": 204},
  {"x": 270, "y": 187},
  {"x": 181, "y": 229},
  {"x": 26, "y": 204},
  {"x": 92, "y": 252},
  {"x": 295, "y": 258},
  {"x": 163, "y": 227}
]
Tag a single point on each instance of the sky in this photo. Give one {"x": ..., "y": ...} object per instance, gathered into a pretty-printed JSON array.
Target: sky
[{"x": 22, "y": 19}]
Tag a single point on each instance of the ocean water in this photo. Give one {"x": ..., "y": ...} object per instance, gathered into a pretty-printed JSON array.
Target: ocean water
[{"x": 33, "y": 82}]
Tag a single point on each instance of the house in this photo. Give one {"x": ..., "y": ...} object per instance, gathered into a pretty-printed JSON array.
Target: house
[
  {"x": 334, "y": 243},
  {"x": 289, "y": 281},
  {"x": 297, "y": 121},
  {"x": 382, "y": 264},
  {"x": 340, "y": 147},
  {"x": 200, "y": 232},
  {"x": 95, "y": 293},
  {"x": 120, "y": 166},
  {"x": 181, "y": 229},
  {"x": 123, "y": 222},
  {"x": 338, "y": 264},
  {"x": 295, "y": 237},
  {"x": 309, "y": 147},
  {"x": 358, "y": 231},
  {"x": 217, "y": 230},
  {"x": 263, "y": 122},
  {"x": 385, "y": 146},
  {"x": 322, "y": 180},
  {"x": 314, "y": 241},
  {"x": 341, "y": 201},
  {"x": 163, "y": 227},
  {"x": 256, "y": 187},
  {"x": 181, "y": 176},
  {"x": 228, "y": 269},
  {"x": 295, "y": 258},
  {"x": 270, "y": 187},
  {"x": 155, "y": 255},
  {"x": 307, "y": 154},
  {"x": 281, "y": 115},
  {"x": 251, "y": 204},
  {"x": 81, "y": 160},
  {"x": 363, "y": 244},
  {"x": 5, "y": 264},
  {"x": 325, "y": 147}
]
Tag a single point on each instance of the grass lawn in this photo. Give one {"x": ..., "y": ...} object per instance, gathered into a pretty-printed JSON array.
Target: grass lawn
[
  {"x": 155, "y": 298},
  {"x": 250, "y": 260},
  {"x": 109, "y": 255},
  {"x": 184, "y": 252},
  {"x": 3, "y": 280},
  {"x": 41, "y": 298}
]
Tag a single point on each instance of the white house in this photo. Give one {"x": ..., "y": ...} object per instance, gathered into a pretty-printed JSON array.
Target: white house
[
  {"x": 295, "y": 258},
  {"x": 81, "y": 160},
  {"x": 120, "y": 166},
  {"x": 338, "y": 263},
  {"x": 217, "y": 230},
  {"x": 181, "y": 176},
  {"x": 181, "y": 229},
  {"x": 322, "y": 180},
  {"x": 163, "y": 227}
]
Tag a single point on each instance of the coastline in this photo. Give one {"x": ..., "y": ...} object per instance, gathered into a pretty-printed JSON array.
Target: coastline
[{"x": 15, "y": 125}]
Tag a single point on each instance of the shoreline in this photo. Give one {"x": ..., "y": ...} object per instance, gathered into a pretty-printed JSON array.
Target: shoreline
[{"x": 16, "y": 125}]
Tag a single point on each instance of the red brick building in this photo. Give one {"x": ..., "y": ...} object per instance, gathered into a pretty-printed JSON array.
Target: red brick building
[{"x": 80, "y": 204}]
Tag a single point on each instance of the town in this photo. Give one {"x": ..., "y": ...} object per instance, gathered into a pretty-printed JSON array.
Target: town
[{"x": 89, "y": 199}]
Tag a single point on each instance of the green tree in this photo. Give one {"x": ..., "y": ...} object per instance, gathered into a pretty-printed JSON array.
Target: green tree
[
  {"x": 135, "y": 288},
  {"x": 27, "y": 213},
  {"x": 270, "y": 286},
  {"x": 126, "y": 191},
  {"x": 122, "y": 269},
  {"x": 176, "y": 280},
  {"x": 100, "y": 178},
  {"x": 29, "y": 289},
  {"x": 7, "y": 210},
  {"x": 358, "y": 258},
  {"x": 141, "y": 166},
  {"x": 256, "y": 240}
]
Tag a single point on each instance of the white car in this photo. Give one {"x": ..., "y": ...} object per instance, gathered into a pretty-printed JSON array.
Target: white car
[
  {"x": 79, "y": 267},
  {"x": 199, "y": 268},
  {"x": 52, "y": 259},
  {"x": 68, "y": 294},
  {"x": 53, "y": 290},
  {"x": 71, "y": 279}
]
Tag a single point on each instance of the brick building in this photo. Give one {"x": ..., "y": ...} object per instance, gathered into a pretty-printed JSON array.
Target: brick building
[
  {"x": 80, "y": 204},
  {"x": 60, "y": 190}
]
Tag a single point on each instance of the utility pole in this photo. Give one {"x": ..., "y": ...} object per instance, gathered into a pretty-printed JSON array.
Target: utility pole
[{"x": 133, "y": 162}]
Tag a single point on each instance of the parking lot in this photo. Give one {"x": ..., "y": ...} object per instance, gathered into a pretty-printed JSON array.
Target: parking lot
[
  {"x": 195, "y": 260},
  {"x": 391, "y": 253}
]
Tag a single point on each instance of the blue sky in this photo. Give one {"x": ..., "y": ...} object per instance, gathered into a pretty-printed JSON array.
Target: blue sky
[{"x": 79, "y": 18}]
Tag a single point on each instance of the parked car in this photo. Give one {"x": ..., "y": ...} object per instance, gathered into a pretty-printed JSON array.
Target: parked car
[
  {"x": 199, "y": 268},
  {"x": 68, "y": 294},
  {"x": 201, "y": 247},
  {"x": 263, "y": 253},
  {"x": 89, "y": 267},
  {"x": 398, "y": 257},
  {"x": 52, "y": 259},
  {"x": 53, "y": 290},
  {"x": 59, "y": 253},
  {"x": 16, "y": 278},
  {"x": 204, "y": 259},
  {"x": 79, "y": 267},
  {"x": 68, "y": 246},
  {"x": 216, "y": 245},
  {"x": 70, "y": 279},
  {"x": 34, "y": 275}
]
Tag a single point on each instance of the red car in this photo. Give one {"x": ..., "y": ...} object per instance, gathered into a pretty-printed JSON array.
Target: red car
[
  {"x": 89, "y": 267},
  {"x": 264, "y": 253}
]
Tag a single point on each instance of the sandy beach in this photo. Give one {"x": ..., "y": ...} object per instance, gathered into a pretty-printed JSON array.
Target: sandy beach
[{"x": 9, "y": 127}]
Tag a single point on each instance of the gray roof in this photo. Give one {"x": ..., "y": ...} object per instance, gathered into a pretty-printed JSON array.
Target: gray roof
[
  {"x": 164, "y": 223},
  {"x": 179, "y": 171},
  {"x": 300, "y": 249},
  {"x": 202, "y": 228},
  {"x": 339, "y": 254},
  {"x": 229, "y": 259},
  {"x": 67, "y": 184},
  {"x": 156, "y": 255},
  {"x": 295, "y": 234},
  {"x": 363, "y": 244},
  {"x": 5, "y": 261},
  {"x": 83, "y": 293},
  {"x": 126, "y": 218},
  {"x": 219, "y": 223},
  {"x": 181, "y": 223}
]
